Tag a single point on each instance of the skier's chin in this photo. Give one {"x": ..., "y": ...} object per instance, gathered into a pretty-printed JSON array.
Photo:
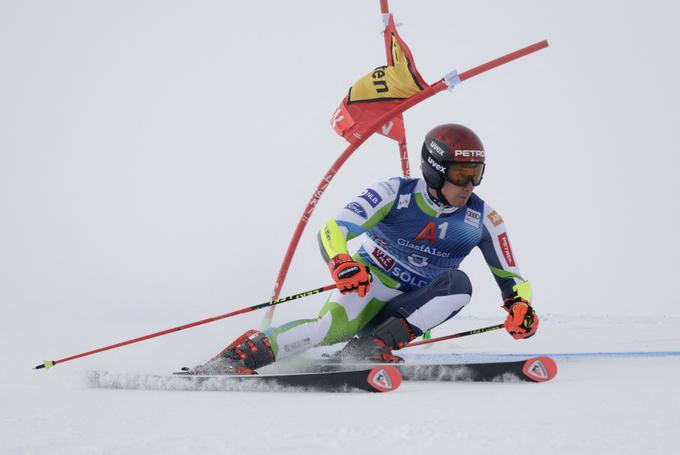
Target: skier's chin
[{"x": 459, "y": 201}]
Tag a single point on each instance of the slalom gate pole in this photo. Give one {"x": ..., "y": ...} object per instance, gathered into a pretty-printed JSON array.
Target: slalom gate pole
[
  {"x": 455, "y": 335},
  {"x": 50, "y": 363},
  {"x": 403, "y": 148},
  {"x": 449, "y": 81}
]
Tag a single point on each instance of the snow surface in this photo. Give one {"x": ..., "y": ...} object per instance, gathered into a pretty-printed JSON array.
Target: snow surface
[{"x": 601, "y": 402}]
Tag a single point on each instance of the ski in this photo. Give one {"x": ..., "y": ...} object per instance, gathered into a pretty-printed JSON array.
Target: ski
[
  {"x": 535, "y": 369},
  {"x": 380, "y": 378}
]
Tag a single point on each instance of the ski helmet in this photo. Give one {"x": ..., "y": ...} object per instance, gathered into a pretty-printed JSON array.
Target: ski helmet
[{"x": 452, "y": 152}]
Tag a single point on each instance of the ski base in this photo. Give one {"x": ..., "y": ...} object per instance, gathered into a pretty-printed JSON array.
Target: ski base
[
  {"x": 382, "y": 378},
  {"x": 535, "y": 369}
]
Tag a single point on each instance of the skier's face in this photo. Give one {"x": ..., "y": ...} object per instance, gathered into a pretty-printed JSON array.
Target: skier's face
[{"x": 456, "y": 195}]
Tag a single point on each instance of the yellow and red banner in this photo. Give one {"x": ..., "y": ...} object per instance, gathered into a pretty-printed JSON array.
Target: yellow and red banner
[{"x": 379, "y": 91}]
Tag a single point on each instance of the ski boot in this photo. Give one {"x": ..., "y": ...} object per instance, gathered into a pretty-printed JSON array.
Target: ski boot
[
  {"x": 249, "y": 352},
  {"x": 377, "y": 345}
]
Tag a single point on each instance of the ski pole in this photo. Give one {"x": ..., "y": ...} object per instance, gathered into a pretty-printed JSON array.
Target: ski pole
[
  {"x": 455, "y": 335},
  {"x": 50, "y": 363}
]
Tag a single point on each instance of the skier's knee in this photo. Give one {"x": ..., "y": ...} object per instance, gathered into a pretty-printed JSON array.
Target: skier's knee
[{"x": 451, "y": 282}]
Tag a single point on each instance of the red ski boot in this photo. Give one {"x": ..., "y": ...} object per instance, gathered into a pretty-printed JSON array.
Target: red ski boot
[{"x": 247, "y": 353}]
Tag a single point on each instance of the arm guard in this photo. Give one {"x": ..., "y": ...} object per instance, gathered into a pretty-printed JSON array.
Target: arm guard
[{"x": 331, "y": 240}]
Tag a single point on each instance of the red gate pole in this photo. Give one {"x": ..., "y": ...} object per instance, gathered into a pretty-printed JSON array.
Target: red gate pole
[
  {"x": 403, "y": 149},
  {"x": 403, "y": 157},
  {"x": 449, "y": 81}
]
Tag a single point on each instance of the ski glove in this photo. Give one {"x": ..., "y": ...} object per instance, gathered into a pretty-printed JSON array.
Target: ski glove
[
  {"x": 522, "y": 320},
  {"x": 349, "y": 275}
]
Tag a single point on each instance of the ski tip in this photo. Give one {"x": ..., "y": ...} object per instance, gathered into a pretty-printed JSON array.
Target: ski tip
[
  {"x": 384, "y": 378},
  {"x": 540, "y": 369}
]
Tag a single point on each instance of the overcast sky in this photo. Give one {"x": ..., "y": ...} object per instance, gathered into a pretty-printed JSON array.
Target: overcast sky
[{"x": 156, "y": 155}]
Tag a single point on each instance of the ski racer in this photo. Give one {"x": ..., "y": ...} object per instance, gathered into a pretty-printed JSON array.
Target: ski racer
[{"x": 405, "y": 277}]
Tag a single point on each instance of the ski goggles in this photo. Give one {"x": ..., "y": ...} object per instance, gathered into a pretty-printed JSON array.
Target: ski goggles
[{"x": 461, "y": 173}]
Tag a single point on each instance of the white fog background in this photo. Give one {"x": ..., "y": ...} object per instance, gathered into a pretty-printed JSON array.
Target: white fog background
[{"x": 156, "y": 155}]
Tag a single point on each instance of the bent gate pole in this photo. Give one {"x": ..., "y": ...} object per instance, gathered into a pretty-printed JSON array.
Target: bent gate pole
[{"x": 448, "y": 81}]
